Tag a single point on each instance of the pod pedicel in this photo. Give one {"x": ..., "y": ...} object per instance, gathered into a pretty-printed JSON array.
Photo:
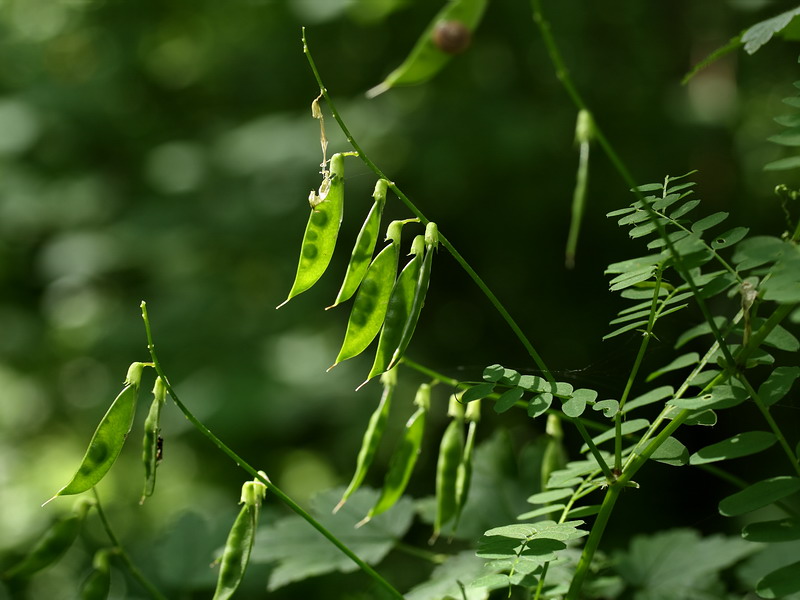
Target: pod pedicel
[
  {"x": 98, "y": 584},
  {"x": 369, "y": 307},
  {"x": 451, "y": 451},
  {"x": 447, "y": 34},
  {"x": 372, "y": 436},
  {"x": 236, "y": 554},
  {"x": 108, "y": 438},
  {"x": 364, "y": 246},
  {"x": 421, "y": 289},
  {"x": 53, "y": 543},
  {"x": 398, "y": 310},
  {"x": 404, "y": 457},
  {"x": 322, "y": 229},
  {"x": 151, "y": 447}
]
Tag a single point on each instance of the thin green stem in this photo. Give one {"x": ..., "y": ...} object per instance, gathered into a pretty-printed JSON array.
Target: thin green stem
[
  {"x": 433, "y": 557},
  {"x": 424, "y": 220},
  {"x": 251, "y": 470},
  {"x": 634, "y": 371},
  {"x": 431, "y": 373},
  {"x": 594, "y": 450},
  {"x": 120, "y": 551},
  {"x": 771, "y": 422}
]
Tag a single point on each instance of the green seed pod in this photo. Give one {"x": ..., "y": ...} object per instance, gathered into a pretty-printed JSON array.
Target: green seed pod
[
  {"x": 372, "y": 436},
  {"x": 398, "y": 310},
  {"x": 322, "y": 229},
  {"x": 420, "y": 291},
  {"x": 555, "y": 455},
  {"x": 447, "y": 34},
  {"x": 369, "y": 307},
  {"x": 404, "y": 457},
  {"x": 451, "y": 452},
  {"x": 236, "y": 555},
  {"x": 108, "y": 438},
  {"x": 464, "y": 474},
  {"x": 98, "y": 584},
  {"x": 53, "y": 543},
  {"x": 151, "y": 446},
  {"x": 584, "y": 132},
  {"x": 365, "y": 245}
]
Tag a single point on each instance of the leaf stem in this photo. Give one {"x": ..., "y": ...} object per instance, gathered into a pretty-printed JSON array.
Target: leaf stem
[
  {"x": 251, "y": 470},
  {"x": 120, "y": 551},
  {"x": 424, "y": 220}
]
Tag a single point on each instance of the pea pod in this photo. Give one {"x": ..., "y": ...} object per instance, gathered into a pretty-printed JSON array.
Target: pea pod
[
  {"x": 372, "y": 436},
  {"x": 369, "y": 307},
  {"x": 151, "y": 449},
  {"x": 365, "y": 245},
  {"x": 53, "y": 543},
  {"x": 421, "y": 289},
  {"x": 322, "y": 229},
  {"x": 108, "y": 438},
  {"x": 398, "y": 310},
  {"x": 447, "y": 34},
  {"x": 464, "y": 475},
  {"x": 98, "y": 584},
  {"x": 404, "y": 457},
  {"x": 451, "y": 451},
  {"x": 555, "y": 455},
  {"x": 240, "y": 541},
  {"x": 584, "y": 131}
]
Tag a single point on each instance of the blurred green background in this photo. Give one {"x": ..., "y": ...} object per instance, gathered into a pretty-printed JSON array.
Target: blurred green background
[{"x": 164, "y": 150}]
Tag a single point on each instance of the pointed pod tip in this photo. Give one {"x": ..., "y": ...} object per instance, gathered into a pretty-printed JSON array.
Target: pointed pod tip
[
  {"x": 363, "y": 521},
  {"x": 282, "y": 303},
  {"x": 377, "y": 90},
  {"x": 328, "y": 370},
  {"x": 338, "y": 506},
  {"x": 49, "y": 501}
]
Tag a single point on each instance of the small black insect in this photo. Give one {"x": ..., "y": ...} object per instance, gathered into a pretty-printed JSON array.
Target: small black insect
[{"x": 159, "y": 448}]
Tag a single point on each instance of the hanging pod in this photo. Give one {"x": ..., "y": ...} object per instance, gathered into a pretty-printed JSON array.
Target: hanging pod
[
  {"x": 369, "y": 307},
  {"x": 404, "y": 457},
  {"x": 372, "y": 436},
  {"x": 236, "y": 554},
  {"x": 451, "y": 451},
  {"x": 364, "y": 247},
  {"x": 98, "y": 583},
  {"x": 464, "y": 474},
  {"x": 53, "y": 543},
  {"x": 398, "y": 310},
  {"x": 421, "y": 289},
  {"x": 584, "y": 132},
  {"x": 108, "y": 438},
  {"x": 322, "y": 229},
  {"x": 151, "y": 444},
  {"x": 449, "y": 33}
]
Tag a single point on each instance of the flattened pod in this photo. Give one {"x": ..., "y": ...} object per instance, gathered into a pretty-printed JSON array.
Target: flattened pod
[
  {"x": 369, "y": 307},
  {"x": 398, "y": 310},
  {"x": 236, "y": 555},
  {"x": 98, "y": 584},
  {"x": 451, "y": 450},
  {"x": 420, "y": 291},
  {"x": 108, "y": 438},
  {"x": 372, "y": 436},
  {"x": 53, "y": 543},
  {"x": 404, "y": 457},
  {"x": 447, "y": 34},
  {"x": 364, "y": 247},
  {"x": 151, "y": 444},
  {"x": 322, "y": 229},
  {"x": 464, "y": 475}
]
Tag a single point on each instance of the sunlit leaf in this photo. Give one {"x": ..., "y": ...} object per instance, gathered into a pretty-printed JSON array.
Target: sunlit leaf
[{"x": 741, "y": 444}]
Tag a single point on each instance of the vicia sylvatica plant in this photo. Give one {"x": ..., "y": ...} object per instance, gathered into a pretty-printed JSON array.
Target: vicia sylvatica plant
[{"x": 740, "y": 356}]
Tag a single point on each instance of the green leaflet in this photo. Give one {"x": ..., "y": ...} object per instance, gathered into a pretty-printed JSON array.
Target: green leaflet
[
  {"x": 151, "y": 444},
  {"x": 365, "y": 245},
  {"x": 758, "y": 495},
  {"x": 447, "y": 34},
  {"x": 108, "y": 438},
  {"x": 404, "y": 457},
  {"x": 322, "y": 229},
  {"x": 372, "y": 436},
  {"x": 741, "y": 444},
  {"x": 398, "y": 310}
]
